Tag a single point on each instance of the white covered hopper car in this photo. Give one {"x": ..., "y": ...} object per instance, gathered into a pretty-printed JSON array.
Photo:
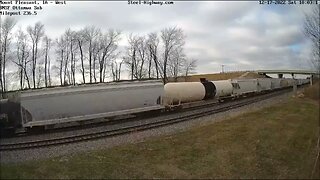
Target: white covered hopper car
[{"x": 75, "y": 104}]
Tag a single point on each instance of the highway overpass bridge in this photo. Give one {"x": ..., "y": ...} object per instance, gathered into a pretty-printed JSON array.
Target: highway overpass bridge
[
  {"x": 292, "y": 72},
  {"x": 307, "y": 72}
]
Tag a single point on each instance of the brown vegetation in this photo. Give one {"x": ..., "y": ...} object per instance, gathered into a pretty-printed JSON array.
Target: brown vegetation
[
  {"x": 313, "y": 92},
  {"x": 218, "y": 76}
]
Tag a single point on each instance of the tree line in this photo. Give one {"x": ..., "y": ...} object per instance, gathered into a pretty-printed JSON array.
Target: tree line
[
  {"x": 89, "y": 55},
  {"x": 312, "y": 32}
]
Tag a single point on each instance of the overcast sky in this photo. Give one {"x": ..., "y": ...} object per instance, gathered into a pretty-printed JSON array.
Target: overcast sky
[{"x": 239, "y": 35}]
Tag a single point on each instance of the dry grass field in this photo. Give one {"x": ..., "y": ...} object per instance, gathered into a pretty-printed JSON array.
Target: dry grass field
[
  {"x": 313, "y": 92},
  {"x": 218, "y": 76}
]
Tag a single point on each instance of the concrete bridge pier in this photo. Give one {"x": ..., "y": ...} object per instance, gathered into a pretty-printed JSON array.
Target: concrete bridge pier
[{"x": 295, "y": 88}]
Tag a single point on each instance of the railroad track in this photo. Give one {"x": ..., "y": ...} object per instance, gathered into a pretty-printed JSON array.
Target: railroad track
[{"x": 135, "y": 128}]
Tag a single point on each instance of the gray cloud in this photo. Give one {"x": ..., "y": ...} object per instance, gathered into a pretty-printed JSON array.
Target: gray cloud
[{"x": 241, "y": 35}]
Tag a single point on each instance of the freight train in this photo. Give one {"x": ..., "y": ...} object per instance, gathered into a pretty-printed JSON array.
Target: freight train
[
  {"x": 52, "y": 107},
  {"x": 183, "y": 92}
]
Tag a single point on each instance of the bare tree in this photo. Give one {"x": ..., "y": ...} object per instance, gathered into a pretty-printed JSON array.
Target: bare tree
[
  {"x": 67, "y": 46},
  {"x": 6, "y": 27},
  {"x": 90, "y": 34},
  {"x": 149, "y": 58},
  {"x": 70, "y": 38},
  {"x": 116, "y": 69},
  {"x": 173, "y": 38},
  {"x": 96, "y": 53},
  {"x": 47, "y": 46},
  {"x": 190, "y": 66},
  {"x": 131, "y": 56},
  {"x": 175, "y": 63},
  {"x": 66, "y": 38},
  {"x": 51, "y": 43},
  {"x": 312, "y": 31},
  {"x": 35, "y": 33},
  {"x": 119, "y": 70},
  {"x": 73, "y": 50},
  {"x": 60, "y": 52},
  {"x": 22, "y": 61},
  {"x": 152, "y": 46},
  {"x": 40, "y": 70},
  {"x": 81, "y": 41},
  {"x": 136, "y": 56},
  {"x": 142, "y": 55},
  {"x": 108, "y": 47}
]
